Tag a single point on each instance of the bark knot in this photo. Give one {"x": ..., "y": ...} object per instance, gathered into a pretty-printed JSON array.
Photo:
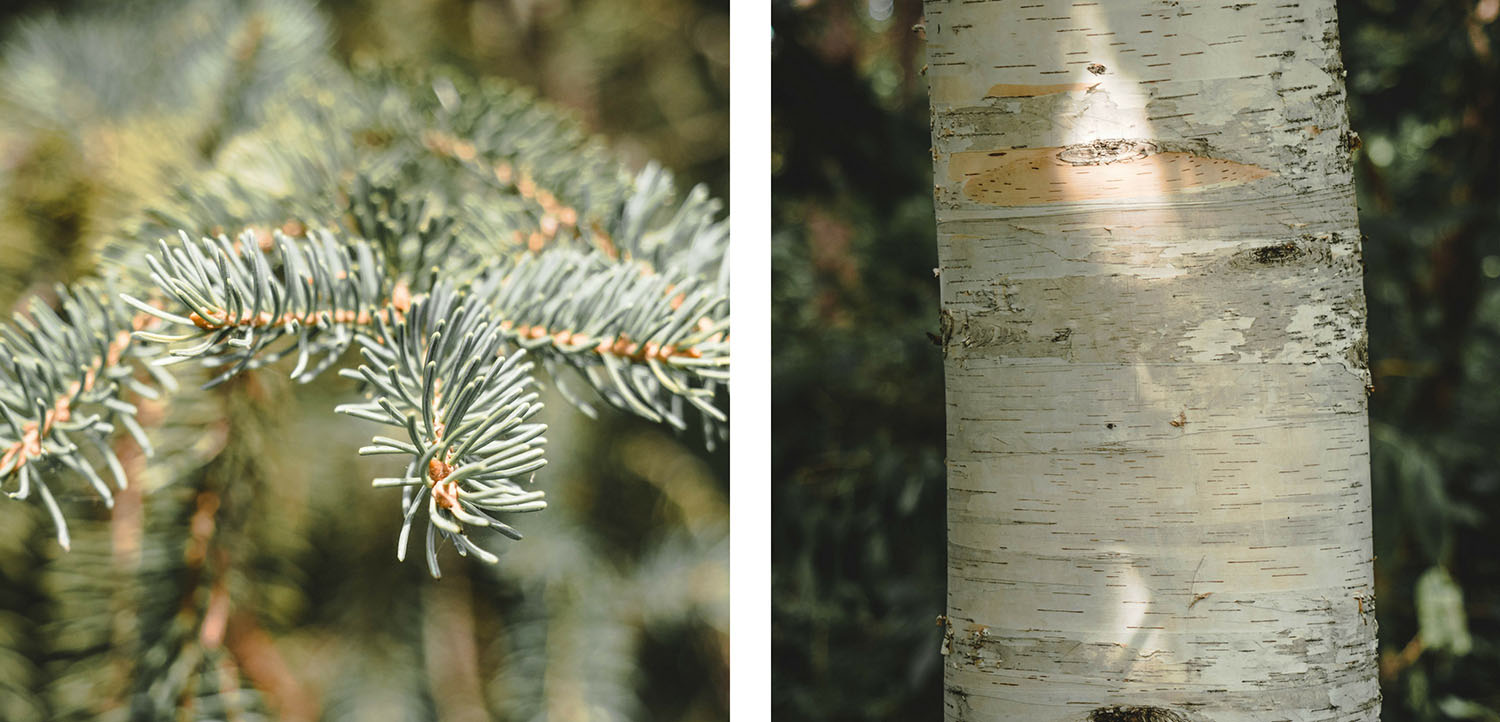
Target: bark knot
[
  {"x": 1106, "y": 151},
  {"x": 1276, "y": 255},
  {"x": 1128, "y": 713}
]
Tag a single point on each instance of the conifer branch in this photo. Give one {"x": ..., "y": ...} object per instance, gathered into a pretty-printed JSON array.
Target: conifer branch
[
  {"x": 571, "y": 187},
  {"x": 511, "y": 143},
  {"x": 647, "y": 342},
  {"x": 460, "y": 233},
  {"x": 441, "y": 374},
  {"x": 238, "y": 299},
  {"x": 63, "y": 377},
  {"x": 438, "y": 358},
  {"x": 645, "y": 319},
  {"x": 559, "y": 252},
  {"x": 413, "y": 234}
]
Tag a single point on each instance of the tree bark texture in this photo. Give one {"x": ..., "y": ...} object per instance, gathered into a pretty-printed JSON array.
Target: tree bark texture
[{"x": 1154, "y": 329}]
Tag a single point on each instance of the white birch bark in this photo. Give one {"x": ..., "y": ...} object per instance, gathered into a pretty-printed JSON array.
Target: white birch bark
[{"x": 1153, "y": 323}]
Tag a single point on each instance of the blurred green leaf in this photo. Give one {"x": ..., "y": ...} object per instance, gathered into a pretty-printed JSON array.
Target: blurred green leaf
[
  {"x": 1440, "y": 613},
  {"x": 1466, "y": 709}
]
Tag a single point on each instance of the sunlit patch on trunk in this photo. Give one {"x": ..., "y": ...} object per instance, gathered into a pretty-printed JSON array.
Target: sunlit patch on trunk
[
  {"x": 1112, "y": 169},
  {"x": 1004, "y": 90}
]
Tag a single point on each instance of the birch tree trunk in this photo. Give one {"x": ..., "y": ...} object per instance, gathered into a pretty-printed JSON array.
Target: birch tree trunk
[{"x": 1153, "y": 324}]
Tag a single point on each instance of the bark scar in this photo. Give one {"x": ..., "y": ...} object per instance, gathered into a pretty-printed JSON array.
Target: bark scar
[{"x": 1105, "y": 169}]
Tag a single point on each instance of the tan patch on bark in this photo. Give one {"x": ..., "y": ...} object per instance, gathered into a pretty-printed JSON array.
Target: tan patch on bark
[
  {"x": 1034, "y": 176},
  {"x": 1031, "y": 91}
]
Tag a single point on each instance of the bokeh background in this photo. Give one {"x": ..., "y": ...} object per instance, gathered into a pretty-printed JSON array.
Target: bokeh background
[
  {"x": 857, "y": 445},
  {"x": 614, "y": 607}
]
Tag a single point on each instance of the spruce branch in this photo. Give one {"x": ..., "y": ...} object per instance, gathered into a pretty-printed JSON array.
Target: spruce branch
[
  {"x": 644, "y": 319},
  {"x": 509, "y": 141},
  {"x": 236, "y": 300},
  {"x": 569, "y": 186},
  {"x": 470, "y": 446},
  {"x": 440, "y": 373},
  {"x": 413, "y": 233},
  {"x": 480, "y": 199},
  {"x": 547, "y": 243},
  {"x": 647, "y": 342},
  {"x": 63, "y": 376}
]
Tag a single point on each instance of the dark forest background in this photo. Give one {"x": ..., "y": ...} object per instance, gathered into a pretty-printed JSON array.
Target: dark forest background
[{"x": 857, "y": 447}]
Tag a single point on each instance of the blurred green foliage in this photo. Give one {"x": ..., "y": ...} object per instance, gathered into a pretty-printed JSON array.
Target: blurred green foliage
[
  {"x": 1424, "y": 81},
  {"x": 858, "y": 415},
  {"x": 651, "y": 75},
  {"x": 857, "y": 385},
  {"x": 615, "y": 606}
]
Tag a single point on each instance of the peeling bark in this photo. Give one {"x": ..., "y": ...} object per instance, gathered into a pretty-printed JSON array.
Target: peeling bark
[{"x": 1154, "y": 332}]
